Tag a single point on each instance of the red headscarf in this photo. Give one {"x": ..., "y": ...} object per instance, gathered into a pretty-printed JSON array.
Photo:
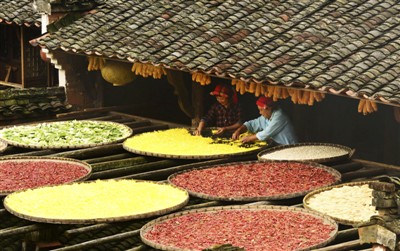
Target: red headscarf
[
  {"x": 225, "y": 91},
  {"x": 264, "y": 102}
]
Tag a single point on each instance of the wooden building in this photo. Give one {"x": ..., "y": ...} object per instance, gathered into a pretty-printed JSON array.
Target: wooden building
[
  {"x": 344, "y": 51},
  {"x": 21, "y": 65}
]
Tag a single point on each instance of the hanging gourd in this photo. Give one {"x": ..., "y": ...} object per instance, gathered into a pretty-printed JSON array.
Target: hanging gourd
[{"x": 117, "y": 73}]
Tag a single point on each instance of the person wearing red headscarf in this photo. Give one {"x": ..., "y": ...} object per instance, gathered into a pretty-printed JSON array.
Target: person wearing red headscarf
[
  {"x": 225, "y": 114},
  {"x": 272, "y": 126}
]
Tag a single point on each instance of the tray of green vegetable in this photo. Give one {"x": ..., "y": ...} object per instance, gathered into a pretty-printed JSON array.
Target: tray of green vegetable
[{"x": 65, "y": 134}]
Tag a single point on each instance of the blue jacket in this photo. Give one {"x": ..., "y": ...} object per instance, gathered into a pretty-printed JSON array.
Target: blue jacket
[{"x": 278, "y": 128}]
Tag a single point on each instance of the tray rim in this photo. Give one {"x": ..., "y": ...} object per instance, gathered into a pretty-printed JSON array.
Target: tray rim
[
  {"x": 326, "y": 219},
  {"x": 176, "y": 156},
  {"x": 35, "y": 146},
  {"x": 85, "y": 165},
  {"x": 337, "y": 175},
  {"x": 100, "y": 220},
  {"x": 339, "y": 220},
  {"x": 349, "y": 150},
  {"x": 3, "y": 145}
]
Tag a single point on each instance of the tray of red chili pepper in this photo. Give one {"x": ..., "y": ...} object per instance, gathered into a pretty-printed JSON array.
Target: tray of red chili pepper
[
  {"x": 20, "y": 173},
  {"x": 253, "y": 228},
  {"x": 255, "y": 180},
  {"x": 309, "y": 151}
]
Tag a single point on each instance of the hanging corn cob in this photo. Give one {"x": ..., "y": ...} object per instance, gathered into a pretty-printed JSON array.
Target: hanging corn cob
[
  {"x": 302, "y": 97},
  {"x": 367, "y": 106},
  {"x": 95, "y": 63},
  {"x": 240, "y": 86},
  {"x": 148, "y": 70},
  {"x": 201, "y": 78},
  {"x": 276, "y": 92}
]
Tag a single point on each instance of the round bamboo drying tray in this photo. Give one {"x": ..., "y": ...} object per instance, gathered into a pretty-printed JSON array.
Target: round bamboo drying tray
[
  {"x": 97, "y": 220},
  {"x": 126, "y": 130},
  {"x": 337, "y": 175},
  {"x": 173, "y": 156},
  {"x": 347, "y": 155},
  {"x": 82, "y": 164},
  {"x": 192, "y": 156},
  {"x": 150, "y": 225},
  {"x": 337, "y": 219}
]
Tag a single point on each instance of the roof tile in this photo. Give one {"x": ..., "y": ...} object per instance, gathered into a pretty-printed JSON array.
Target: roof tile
[{"x": 338, "y": 45}]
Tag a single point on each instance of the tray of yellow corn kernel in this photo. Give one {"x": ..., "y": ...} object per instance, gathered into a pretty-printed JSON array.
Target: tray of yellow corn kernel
[
  {"x": 96, "y": 201},
  {"x": 180, "y": 143}
]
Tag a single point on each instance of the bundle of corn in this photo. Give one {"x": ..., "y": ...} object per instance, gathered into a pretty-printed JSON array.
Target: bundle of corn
[
  {"x": 95, "y": 63},
  {"x": 240, "y": 85},
  {"x": 276, "y": 92},
  {"x": 147, "y": 70},
  {"x": 201, "y": 78},
  {"x": 367, "y": 106},
  {"x": 117, "y": 73},
  {"x": 305, "y": 97}
]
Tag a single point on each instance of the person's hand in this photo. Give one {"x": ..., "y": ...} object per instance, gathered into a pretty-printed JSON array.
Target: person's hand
[
  {"x": 197, "y": 132},
  {"x": 236, "y": 135},
  {"x": 247, "y": 139},
  {"x": 220, "y": 130}
]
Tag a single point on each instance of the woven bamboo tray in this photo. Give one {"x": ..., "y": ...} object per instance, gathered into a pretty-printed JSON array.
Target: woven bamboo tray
[
  {"x": 82, "y": 164},
  {"x": 337, "y": 175},
  {"x": 193, "y": 156},
  {"x": 97, "y": 220},
  {"x": 127, "y": 132},
  {"x": 150, "y": 225},
  {"x": 337, "y": 219},
  {"x": 347, "y": 155}
]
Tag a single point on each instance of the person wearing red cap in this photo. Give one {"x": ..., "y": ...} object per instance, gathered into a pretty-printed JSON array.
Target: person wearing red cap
[
  {"x": 273, "y": 125},
  {"x": 225, "y": 114}
]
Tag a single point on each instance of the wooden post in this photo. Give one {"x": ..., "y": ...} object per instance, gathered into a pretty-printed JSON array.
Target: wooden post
[
  {"x": 198, "y": 103},
  {"x": 22, "y": 39}
]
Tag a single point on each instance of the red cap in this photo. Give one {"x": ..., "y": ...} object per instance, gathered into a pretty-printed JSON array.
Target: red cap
[
  {"x": 225, "y": 91},
  {"x": 264, "y": 102},
  {"x": 222, "y": 90}
]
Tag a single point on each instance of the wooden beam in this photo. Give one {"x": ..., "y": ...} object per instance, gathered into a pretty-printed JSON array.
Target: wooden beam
[{"x": 22, "y": 39}]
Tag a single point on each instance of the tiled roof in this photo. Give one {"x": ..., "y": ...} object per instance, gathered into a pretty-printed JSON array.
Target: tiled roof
[
  {"x": 32, "y": 102},
  {"x": 350, "y": 47},
  {"x": 19, "y": 12}
]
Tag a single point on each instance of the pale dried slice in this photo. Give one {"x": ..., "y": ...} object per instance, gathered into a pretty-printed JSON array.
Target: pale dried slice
[
  {"x": 348, "y": 203},
  {"x": 96, "y": 201},
  {"x": 254, "y": 228},
  {"x": 306, "y": 152}
]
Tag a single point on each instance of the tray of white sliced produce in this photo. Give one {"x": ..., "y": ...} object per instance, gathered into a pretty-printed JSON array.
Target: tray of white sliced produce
[
  {"x": 65, "y": 134},
  {"x": 312, "y": 152},
  {"x": 347, "y": 203}
]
